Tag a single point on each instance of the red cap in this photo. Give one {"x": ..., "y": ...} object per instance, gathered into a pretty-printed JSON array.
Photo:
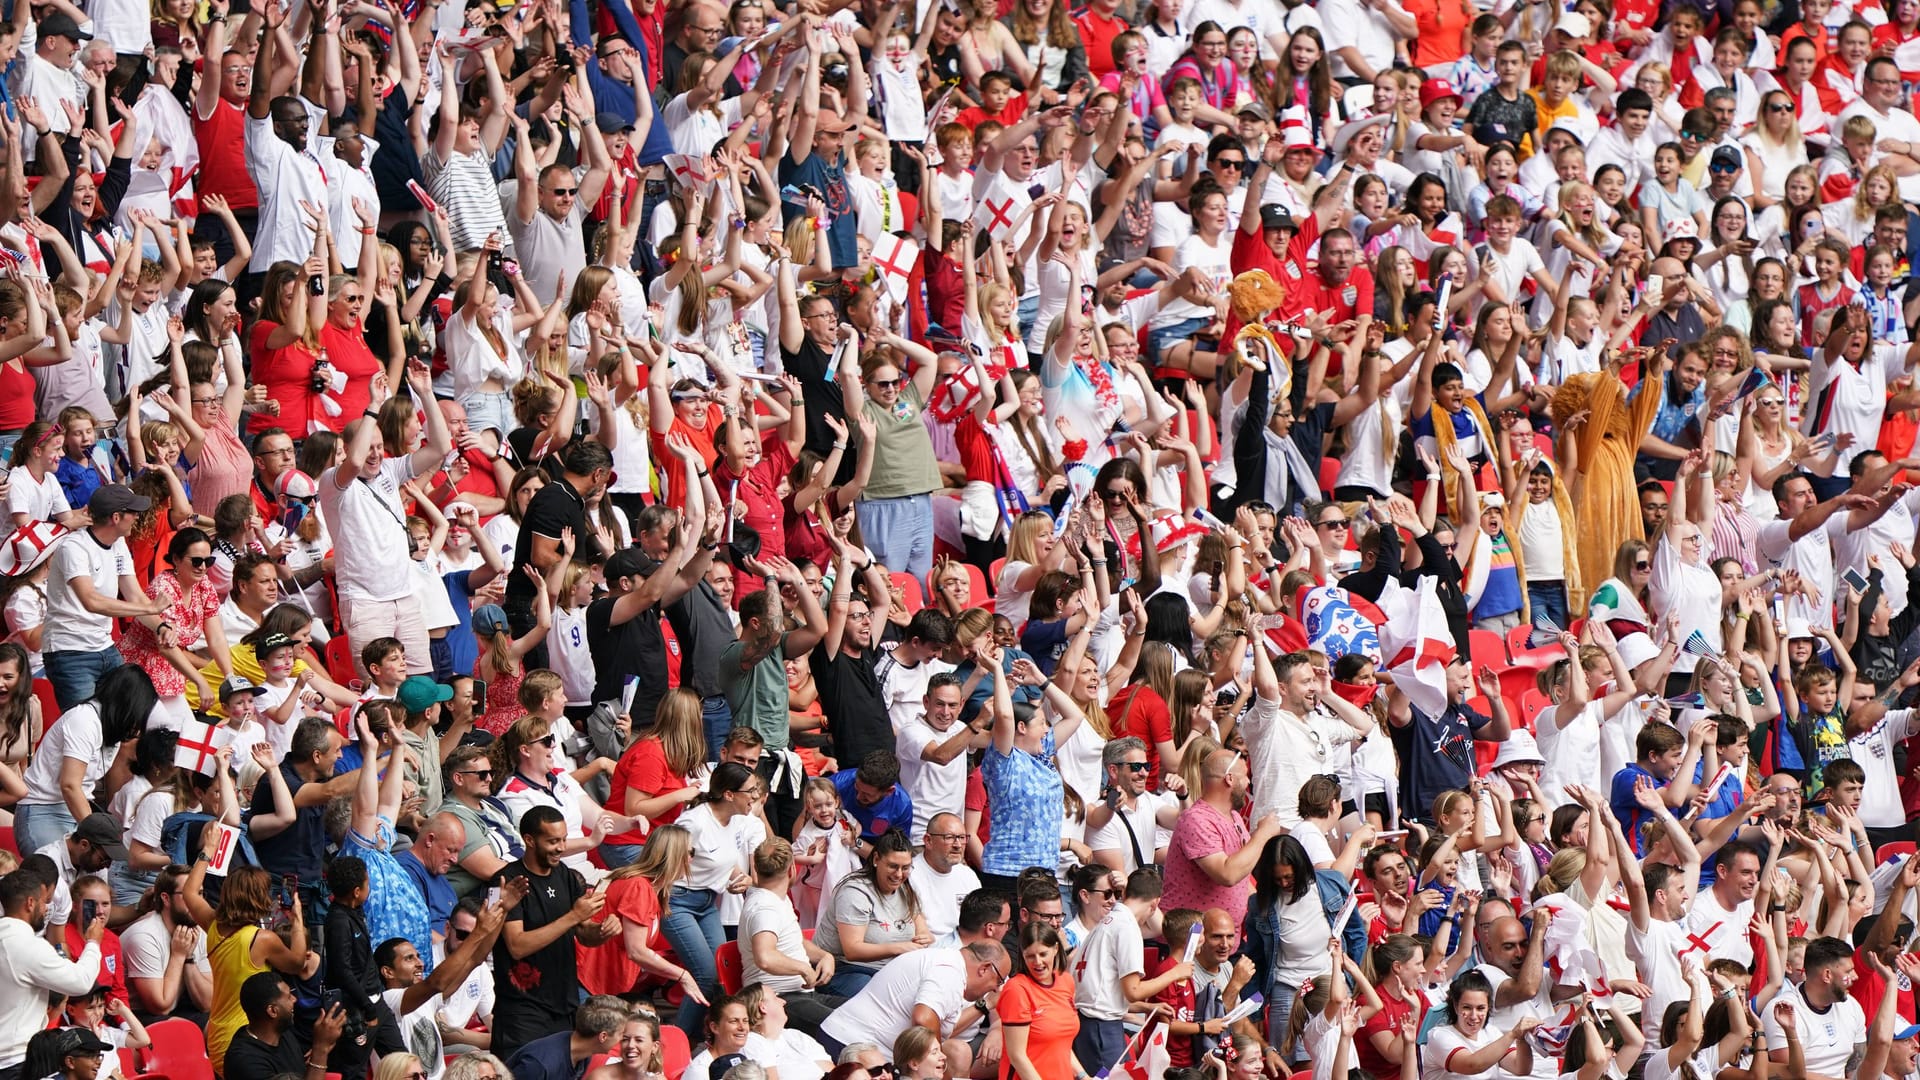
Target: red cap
[{"x": 1434, "y": 89}]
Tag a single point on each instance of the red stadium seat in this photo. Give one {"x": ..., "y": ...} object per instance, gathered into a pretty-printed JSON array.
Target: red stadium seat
[
  {"x": 179, "y": 1051},
  {"x": 1890, "y": 852},
  {"x": 993, "y": 573},
  {"x": 1329, "y": 475},
  {"x": 732, "y": 967},
  {"x": 340, "y": 661},
  {"x": 674, "y": 1052},
  {"x": 49, "y": 705},
  {"x": 1489, "y": 648},
  {"x": 910, "y": 593},
  {"x": 977, "y": 591}
]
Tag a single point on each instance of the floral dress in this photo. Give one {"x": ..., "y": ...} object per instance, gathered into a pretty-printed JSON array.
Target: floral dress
[
  {"x": 395, "y": 908},
  {"x": 187, "y": 612}
]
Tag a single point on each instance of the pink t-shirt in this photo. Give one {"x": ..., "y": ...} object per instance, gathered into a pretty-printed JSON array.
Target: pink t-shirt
[
  {"x": 1147, "y": 95},
  {"x": 1202, "y": 831}
]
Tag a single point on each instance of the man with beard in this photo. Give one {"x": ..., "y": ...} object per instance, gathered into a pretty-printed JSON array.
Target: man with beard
[
  {"x": 165, "y": 955},
  {"x": 1212, "y": 851},
  {"x": 586, "y": 467},
  {"x": 1510, "y": 959},
  {"x": 30, "y": 968},
  {"x": 535, "y": 981},
  {"x": 417, "y": 998},
  {"x": 843, "y": 665},
  {"x": 1832, "y": 1029}
]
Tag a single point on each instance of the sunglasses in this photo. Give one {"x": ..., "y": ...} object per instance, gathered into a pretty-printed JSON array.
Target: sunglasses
[
  {"x": 886, "y": 384},
  {"x": 1230, "y": 163},
  {"x": 1643, "y": 566},
  {"x": 1780, "y": 107},
  {"x": 1337, "y": 523},
  {"x": 1114, "y": 496},
  {"x": 200, "y": 562},
  {"x": 563, "y": 191},
  {"x": 1138, "y": 766}
]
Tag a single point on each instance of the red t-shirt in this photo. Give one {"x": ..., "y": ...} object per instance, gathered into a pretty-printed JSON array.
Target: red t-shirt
[
  {"x": 348, "y": 353},
  {"x": 1097, "y": 32},
  {"x": 676, "y": 495},
  {"x": 113, "y": 970},
  {"x": 1136, "y": 710},
  {"x": 16, "y": 396},
  {"x": 478, "y": 481},
  {"x": 606, "y": 968},
  {"x": 223, "y": 155},
  {"x": 1869, "y": 986},
  {"x": 1179, "y": 998},
  {"x": 1392, "y": 1011},
  {"x": 285, "y": 372},
  {"x": 627, "y": 776}
]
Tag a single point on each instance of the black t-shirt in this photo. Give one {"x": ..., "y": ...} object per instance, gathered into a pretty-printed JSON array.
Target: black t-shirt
[
  {"x": 635, "y": 647},
  {"x": 248, "y": 1056},
  {"x": 547, "y": 1058},
  {"x": 535, "y": 995},
  {"x": 809, "y": 364},
  {"x": 850, "y": 698},
  {"x": 300, "y": 848},
  {"x": 700, "y": 621},
  {"x": 553, "y": 508}
]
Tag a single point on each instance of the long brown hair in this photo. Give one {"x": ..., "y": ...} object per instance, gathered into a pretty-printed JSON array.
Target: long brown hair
[
  {"x": 677, "y": 724},
  {"x": 1060, "y": 29},
  {"x": 246, "y": 899},
  {"x": 1319, "y": 79}
]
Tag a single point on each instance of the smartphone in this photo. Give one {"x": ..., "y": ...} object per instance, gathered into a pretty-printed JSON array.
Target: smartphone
[
  {"x": 480, "y": 692},
  {"x": 1854, "y": 579},
  {"x": 290, "y": 885},
  {"x": 329, "y": 1000},
  {"x": 1656, "y": 285},
  {"x": 89, "y": 910},
  {"x": 493, "y": 895}
]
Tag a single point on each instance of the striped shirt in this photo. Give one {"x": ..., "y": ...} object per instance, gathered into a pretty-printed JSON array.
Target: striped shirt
[{"x": 465, "y": 186}]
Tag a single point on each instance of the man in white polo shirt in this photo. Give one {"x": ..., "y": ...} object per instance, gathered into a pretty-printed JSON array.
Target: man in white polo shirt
[{"x": 361, "y": 498}]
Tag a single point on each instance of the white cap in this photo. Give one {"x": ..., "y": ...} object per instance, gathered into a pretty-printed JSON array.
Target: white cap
[
  {"x": 1518, "y": 748},
  {"x": 1636, "y": 649}
]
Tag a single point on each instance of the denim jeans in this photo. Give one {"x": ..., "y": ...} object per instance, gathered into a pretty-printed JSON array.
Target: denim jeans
[
  {"x": 1279, "y": 1011},
  {"x": 717, "y": 716},
  {"x": 36, "y": 825},
  {"x": 692, "y": 927},
  {"x": 1547, "y": 601},
  {"x": 73, "y": 674},
  {"x": 619, "y": 855}
]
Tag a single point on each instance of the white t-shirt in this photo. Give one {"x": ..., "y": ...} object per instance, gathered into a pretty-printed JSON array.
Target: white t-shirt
[
  {"x": 1142, "y": 820},
  {"x": 939, "y": 896},
  {"x": 76, "y": 734},
  {"x": 71, "y": 627},
  {"x": 936, "y": 788},
  {"x": 1826, "y": 1037},
  {"x": 147, "y": 946},
  {"x": 369, "y": 530},
  {"x": 1519, "y": 262},
  {"x": 764, "y": 912},
  {"x": 1572, "y": 752},
  {"x": 1214, "y": 262},
  {"x": 936, "y": 978},
  {"x": 1724, "y": 931},
  {"x": 1656, "y": 954},
  {"x": 716, "y": 847},
  {"x": 42, "y": 501},
  {"x": 1880, "y": 805},
  {"x": 420, "y": 1030},
  {"x": 1446, "y": 1043},
  {"x": 1113, "y": 950}
]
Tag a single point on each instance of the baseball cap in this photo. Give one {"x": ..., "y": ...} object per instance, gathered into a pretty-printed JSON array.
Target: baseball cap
[
  {"x": 1574, "y": 24},
  {"x": 1435, "y": 90},
  {"x": 294, "y": 484},
  {"x": 419, "y": 691},
  {"x": 61, "y": 24},
  {"x": 78, "y": 1040},
  {"x": 1725, "y": 159},
  {"x": 116, "y": 499},
  {"x": 1254, "y": 108},
  {"x": 271, "y": 642},
  {"x": 627, "y": 562},
  {"x": 723, "y": 1063},
  {"x": 611, "y": 123},
  {"x": 103, "y": 831},
  {"x": 1907, "y": 1032},
  {"x": 489, "y": 619},
  {"x": 239, "y": 684},
  {"x": 1275, "y": 216}
]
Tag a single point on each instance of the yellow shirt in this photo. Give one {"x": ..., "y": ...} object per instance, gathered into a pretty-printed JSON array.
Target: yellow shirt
[
  {"x": 231, "y": 958},
  {"x": 1550, "y": 115},
  {"x": 245, "y": 664}
]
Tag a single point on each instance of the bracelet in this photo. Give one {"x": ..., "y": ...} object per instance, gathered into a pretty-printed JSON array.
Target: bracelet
[
  {"x": 704, "y": 474},
  {"x": 1433, "y": 476},
  {"x": 839, "y": 446},
  {"x": 366, "y": 232},
  {"x": 370, "y": 414}
]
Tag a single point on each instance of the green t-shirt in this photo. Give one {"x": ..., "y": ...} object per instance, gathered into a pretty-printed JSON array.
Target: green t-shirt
[
  {"x": 903, "y": 462},
  {"x": 758, "y": 695}
]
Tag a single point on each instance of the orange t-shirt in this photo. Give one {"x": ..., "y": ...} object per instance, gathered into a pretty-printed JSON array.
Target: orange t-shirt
[
  {"x": 673, "y": 477},
  {"x": 1051, "y": 1022}
]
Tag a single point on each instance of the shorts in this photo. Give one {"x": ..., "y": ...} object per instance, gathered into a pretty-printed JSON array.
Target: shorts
[{"x": 1166, "y": 336}]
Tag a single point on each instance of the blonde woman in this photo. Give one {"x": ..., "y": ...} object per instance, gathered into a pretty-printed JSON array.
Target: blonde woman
[
  {"x": 485, "y": 352},
  {"x": 1656, "y": 78},
  {"x": 400, "y": 1067},
  {"x": 1852, "y": 219},
  {"x": 637, "y": 895},
  {"x": 1768, "y": 448},
  {"x": 1032, "y": 551},
  {"x": 1773, "y": 149}
]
